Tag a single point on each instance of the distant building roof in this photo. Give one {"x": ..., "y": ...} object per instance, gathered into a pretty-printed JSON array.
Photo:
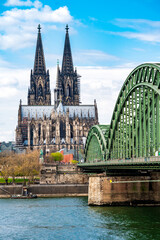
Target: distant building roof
[{"x": 7, "y": 146}]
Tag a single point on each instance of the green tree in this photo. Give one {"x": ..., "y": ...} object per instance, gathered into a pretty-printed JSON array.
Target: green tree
[{"x": 56, "y": 157}]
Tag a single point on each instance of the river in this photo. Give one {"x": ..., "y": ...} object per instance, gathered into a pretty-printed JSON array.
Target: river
[{"x": 73, "y": 219}]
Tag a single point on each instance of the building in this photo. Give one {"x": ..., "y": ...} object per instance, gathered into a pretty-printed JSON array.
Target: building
[
  {"x": 7, "y": 146},
  {"x": 62, "y": 125}
]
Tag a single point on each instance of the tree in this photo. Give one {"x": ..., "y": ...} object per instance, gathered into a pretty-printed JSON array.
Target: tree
[
  {"x": 7, "y": 165},
  {"x": 26, "y": 165},
  {"x": 30, "y": 165},
  {"x": 56, "y": 157}
]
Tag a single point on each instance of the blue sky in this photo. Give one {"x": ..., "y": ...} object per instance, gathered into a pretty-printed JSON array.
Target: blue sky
[{"x": 108, "y": 40}]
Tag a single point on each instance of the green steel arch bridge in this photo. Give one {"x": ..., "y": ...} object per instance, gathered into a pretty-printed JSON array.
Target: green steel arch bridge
[{"x": 132, "y": 140}]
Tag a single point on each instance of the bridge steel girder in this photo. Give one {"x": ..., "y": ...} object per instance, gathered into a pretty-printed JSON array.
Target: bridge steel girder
[
  {"x": 134, "y": 130},
  {"x": 95, "y": 148},
  {"x": 135, "y": 124}
]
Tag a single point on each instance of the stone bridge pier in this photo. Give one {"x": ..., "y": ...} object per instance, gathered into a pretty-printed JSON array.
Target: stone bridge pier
[{"x": 124, "y": 190}]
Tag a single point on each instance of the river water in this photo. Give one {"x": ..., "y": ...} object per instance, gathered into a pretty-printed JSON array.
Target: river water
[{"x": 73, "y": 219}]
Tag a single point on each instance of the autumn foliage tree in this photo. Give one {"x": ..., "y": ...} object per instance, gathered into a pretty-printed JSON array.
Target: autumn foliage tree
[
  {"x": 26, "y": 165},
  {"x": 5, "y": 169},
  {"x": 31, "y": 165}
]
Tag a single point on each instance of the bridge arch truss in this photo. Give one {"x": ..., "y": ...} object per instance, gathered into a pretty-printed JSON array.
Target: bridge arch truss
[
  {"x": 95, "y": 148},
  {"x": 134, "y": 130},
  {"x": 135, "y": 125}
]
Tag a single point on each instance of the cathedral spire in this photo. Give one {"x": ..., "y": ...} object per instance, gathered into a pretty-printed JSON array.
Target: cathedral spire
[
  {"x": 67, "y": 83},
  {"x": 58, "y": 83},
  {"x": 67, "y": 64},
  {"x": 39, "y": 92},
  {"x": 39, "y": 63}
]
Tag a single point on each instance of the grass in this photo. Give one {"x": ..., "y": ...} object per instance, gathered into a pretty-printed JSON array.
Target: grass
[{"x": 17, "y": 180}]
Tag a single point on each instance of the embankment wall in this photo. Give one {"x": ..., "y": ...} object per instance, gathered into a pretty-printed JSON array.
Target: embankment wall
[
  {"x": 62, "y": 174},
  {"x": 59, "y": 190}
]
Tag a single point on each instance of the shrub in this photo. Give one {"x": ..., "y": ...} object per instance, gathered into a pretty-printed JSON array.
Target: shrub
[
  {"x": 74, "y": 161},
  {"x": 56, "y": 156}
]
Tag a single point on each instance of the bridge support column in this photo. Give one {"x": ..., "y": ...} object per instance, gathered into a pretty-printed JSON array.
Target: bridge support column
[{"x": 124, "y": 190}]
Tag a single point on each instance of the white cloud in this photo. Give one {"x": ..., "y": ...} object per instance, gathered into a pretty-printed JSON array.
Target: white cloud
[
  {"x": 138, "y": 24},
  {"x": 139, "y": 49},
  {"x": 8, "y": 92},
  {"x": 103, "y": 84},
  {"x": 18, "y": 78},
  {"x": 98, "y": 55},
  {"x": 6, "y": 135},
  {"x": 129, "y": 65},
  {"x": 91, "y": 57},
  {"x": 100, "y": 83},
  {"x": 150, "y": 37},
  {"x": 93, "y": 19},
  {"x": 14, "y": 41},
  {"x": 45, "y": 14},
  {"x": 141, "y": 29},
  {"x": 3, "y": 63},
  {"x": 18, "y": 3},
  {"x": 153, "y": 37},
  {"x": 85, "y": 57},
  {"x": 21, "y": 3},
  {"x": 16, "y": 23}
]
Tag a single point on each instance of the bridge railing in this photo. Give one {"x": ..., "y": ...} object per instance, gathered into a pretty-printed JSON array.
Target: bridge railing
[{"x": 146, "y": 160}]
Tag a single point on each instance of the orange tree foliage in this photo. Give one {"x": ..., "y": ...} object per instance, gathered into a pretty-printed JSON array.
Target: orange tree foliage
[{"x": 12, "y": 165}]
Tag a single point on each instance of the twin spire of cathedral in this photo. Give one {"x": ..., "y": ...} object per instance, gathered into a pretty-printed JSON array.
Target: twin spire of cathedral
[
  {"x": 67, "y": 82},
  {"x": 39, "y": 63}
]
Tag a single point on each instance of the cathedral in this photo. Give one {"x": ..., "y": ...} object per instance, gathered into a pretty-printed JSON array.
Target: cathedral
[{"x": 64, "y": 124}]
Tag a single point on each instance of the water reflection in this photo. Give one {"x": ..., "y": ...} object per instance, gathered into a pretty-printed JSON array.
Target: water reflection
[{"x": 139, "y": 223}]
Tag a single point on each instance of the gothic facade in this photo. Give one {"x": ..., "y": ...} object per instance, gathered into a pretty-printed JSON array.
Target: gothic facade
[{"x": 64, "y": 124}]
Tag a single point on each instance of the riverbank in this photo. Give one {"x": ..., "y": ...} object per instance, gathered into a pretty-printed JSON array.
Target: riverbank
[{"x": 44, "y": 190}]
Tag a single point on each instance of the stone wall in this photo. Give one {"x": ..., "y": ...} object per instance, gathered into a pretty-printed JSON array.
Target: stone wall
[
  {"x": 126, "y": 190},
  {"x": 62, "y": 174},
  {"x": 5, "y": 190},
  {"x": 47, "y": 190}
]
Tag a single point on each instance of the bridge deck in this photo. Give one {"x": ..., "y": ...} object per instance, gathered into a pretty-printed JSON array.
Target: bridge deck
[{"x": 133, "y": 163}]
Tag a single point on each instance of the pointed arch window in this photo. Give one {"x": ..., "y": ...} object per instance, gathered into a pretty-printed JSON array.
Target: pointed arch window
[
  {"x": 40, "y": 90},
  {"x": 68, "y": 91},
  {"x": 62, "y": 129},
  {"x": 39, "y": 131},
  {"x": 31, "y": 135},
  {"x": 71, "y": 129}
]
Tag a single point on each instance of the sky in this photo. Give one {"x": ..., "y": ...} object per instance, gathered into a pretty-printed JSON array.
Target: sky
[{"x": 108, "y": 40}]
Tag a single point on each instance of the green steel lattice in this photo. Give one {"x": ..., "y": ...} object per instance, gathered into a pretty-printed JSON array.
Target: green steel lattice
[{"x": 134, "y": 130}]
